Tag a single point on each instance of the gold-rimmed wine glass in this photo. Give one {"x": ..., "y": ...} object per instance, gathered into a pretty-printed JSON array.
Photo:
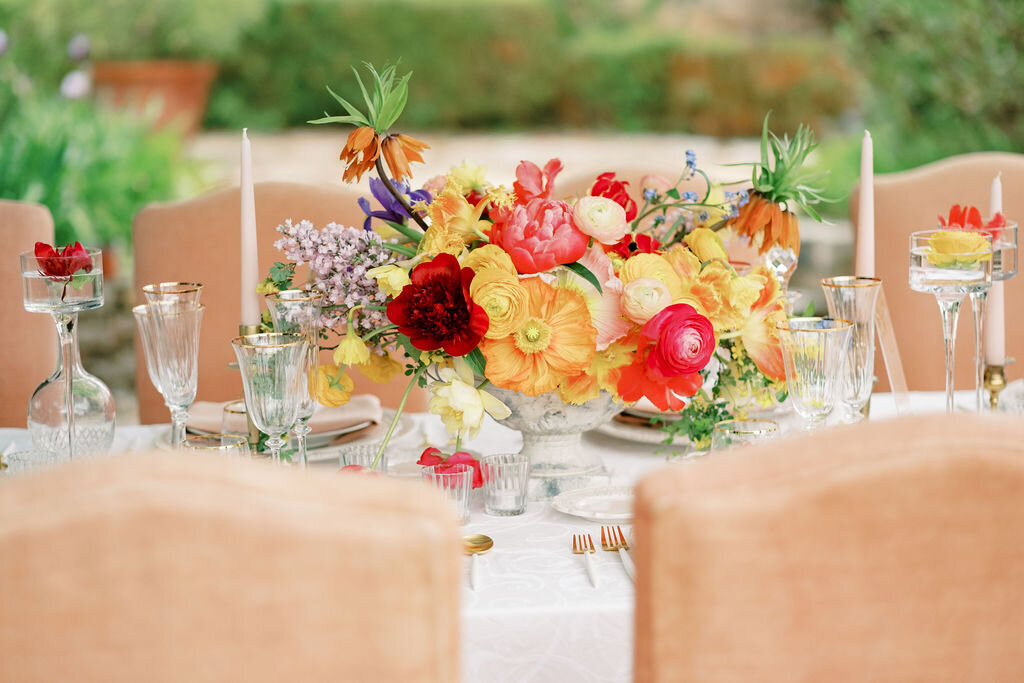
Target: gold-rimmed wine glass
[
  {"x": 274, "y": 379},
  {"x": 184, "y": 293},
  {"x": 814, "y": 351},
  {"x": 853, "y": 298}
]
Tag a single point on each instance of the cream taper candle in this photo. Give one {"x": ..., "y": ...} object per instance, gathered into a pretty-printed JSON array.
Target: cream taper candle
[
  {"x": 995, "y": 313},
  {"x": 250, "y": 314},
  {"x": 864, "y": 262}
]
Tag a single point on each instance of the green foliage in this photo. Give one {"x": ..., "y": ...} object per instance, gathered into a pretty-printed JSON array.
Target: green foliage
[{"x": 93, "y": 169}]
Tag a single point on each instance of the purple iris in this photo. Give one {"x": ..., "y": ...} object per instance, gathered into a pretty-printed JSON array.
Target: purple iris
[{"x": 391, "y": 210}]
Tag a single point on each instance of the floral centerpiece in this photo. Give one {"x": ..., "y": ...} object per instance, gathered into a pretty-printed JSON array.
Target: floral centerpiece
[{"x": 487, "y": 289}]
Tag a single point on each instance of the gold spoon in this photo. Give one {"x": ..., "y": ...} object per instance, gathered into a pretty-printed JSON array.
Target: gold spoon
[{"x": 473, "y": 545}]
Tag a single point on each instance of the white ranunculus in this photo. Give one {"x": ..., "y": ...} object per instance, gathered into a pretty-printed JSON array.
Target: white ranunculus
[
  {"x": 601, "y": 218},
  {"x": 643, "y": 298}
]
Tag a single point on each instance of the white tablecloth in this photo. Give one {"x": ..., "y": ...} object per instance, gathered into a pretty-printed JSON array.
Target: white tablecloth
[{"x": 535, "y": 616}]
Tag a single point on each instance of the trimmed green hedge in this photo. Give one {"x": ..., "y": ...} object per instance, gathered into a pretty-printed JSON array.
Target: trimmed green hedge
[{"x": 518, "y": 64}]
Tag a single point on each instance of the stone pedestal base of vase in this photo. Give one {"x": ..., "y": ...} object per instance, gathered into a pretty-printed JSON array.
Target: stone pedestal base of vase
[{"x": 552, "y": 440}]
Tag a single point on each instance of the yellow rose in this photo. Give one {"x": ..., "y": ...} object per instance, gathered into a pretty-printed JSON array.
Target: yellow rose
[
  {"x": 958, "y": 248},
  {"x": 706, "y": 244},
  {"x": 331, "y": 386},
  {"x": 487, "y": 257},
  {"x": 654, "y": 266},
  {"x": 390, "y": 278},
  {"x": 351, "y": 350},
  {"x": 381, "y": 368},
  {"x": 502, "y": 297}
]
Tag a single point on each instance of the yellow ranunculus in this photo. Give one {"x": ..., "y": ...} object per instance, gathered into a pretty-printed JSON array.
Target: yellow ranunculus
[
  {"x": 460, "y": 404},
  {"x": 502, "y": 297},
  {"x": 488, "y": 256},
  {"x": 381, "y": 368},
  {"x": 390, "y": 278},
  {"x": 652, "y": 265},
  {"x": 351, "y": 350},
  {"x": 706, "y": 244},
  {"x": 958, "y": 248},
  {"x": 330, "y": 385}
]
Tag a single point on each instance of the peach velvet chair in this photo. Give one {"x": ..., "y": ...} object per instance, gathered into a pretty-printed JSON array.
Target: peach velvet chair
[
  {"x": 197, "y": 240},
  {"x": 161, "y": 567},
  {"x": 913, "y": 200},
  {"x": 29, "y": 353},
  {"x": 883, "y": 551}
]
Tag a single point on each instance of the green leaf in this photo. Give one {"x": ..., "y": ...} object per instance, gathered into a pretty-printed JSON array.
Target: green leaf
[
  {"x": 348, "y": 107},
  {"x": 403, "y": 249},
  {"x": 395, "y": 103},
  {"x": 584, "y": 273},
  {"x": 673, "y": 193},
  {"x": 809, "y": 310},
  {"x": 79, "y": 281},
  {"x": 413, "y": 233},
  {"x": 477, "y": 362},
  {"x": 356, "y": 121},
  {"x": 366, "y": 96}
]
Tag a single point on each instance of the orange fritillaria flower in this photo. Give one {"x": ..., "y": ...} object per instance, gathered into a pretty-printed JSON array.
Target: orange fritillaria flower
[
  {"x": 761, "y": 216},
  {"x": 360, "y": 153},
  {"x": 399, "y": 151}
]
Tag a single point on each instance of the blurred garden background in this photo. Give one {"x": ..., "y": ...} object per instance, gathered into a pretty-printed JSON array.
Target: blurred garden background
[{"x": 627, "y": 82}]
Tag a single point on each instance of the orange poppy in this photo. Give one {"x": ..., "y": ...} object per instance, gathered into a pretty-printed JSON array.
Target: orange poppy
[
  {"x": 762, "y": 216},
  {"x": 401, "y": 150}
]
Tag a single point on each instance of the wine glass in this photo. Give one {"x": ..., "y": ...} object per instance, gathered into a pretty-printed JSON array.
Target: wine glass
[
  {"x": 814, "y": 352},
  {"x": 274, "y": 378},
  {"x": 950, "y": 264},
  {"x": 185, "y": 293},
  {"x": 170, "y": 341},
  {"x": 297, "y": 311},
  {"x": 1004, "y": 267},
  {"x": 853, "y": 298}
]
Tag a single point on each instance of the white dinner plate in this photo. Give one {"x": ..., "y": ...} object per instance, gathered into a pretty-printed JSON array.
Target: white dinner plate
[{"x": 602, "y": 504}]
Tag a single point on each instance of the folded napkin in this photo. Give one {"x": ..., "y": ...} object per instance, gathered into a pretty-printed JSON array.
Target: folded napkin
[{"x": 208, "y": 416}]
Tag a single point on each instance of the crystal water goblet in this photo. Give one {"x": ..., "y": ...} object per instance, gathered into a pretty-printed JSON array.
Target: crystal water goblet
[
  {"x": 1004, "y": 267},
  {"x": 853, "y": 298},
  {"x": 170, "y": 341},
  {"x": 814, "y": 352},
  {"x": 63, "y": 285},
  {"x": 274, "y": 379},
  {"x": 950, "y": 264},
  {"x": 297, "y": 311}
]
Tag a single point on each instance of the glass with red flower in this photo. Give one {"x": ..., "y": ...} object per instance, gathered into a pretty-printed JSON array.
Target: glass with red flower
[{"x": 71, "y": 412}]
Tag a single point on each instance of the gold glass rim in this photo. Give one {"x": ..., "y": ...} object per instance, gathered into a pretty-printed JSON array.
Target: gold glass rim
[
  {"x": 310, "y": 297},
  {"x": 850, "y": 281},
  {"x": 769, "y": 427},
  {"x": 144, "y": 309},
  {"x": 245, "y": 340},
  {"x": 177, "y": 287},
  {"x": 239, "y": 440},
  {"x": 784, "y": 325},
  {"x": 230, "y": 408}
]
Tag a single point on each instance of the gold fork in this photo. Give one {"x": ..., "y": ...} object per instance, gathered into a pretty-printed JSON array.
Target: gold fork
[
  {"x": 585, "y": 546},
  {"x": 612, "y": 539}
]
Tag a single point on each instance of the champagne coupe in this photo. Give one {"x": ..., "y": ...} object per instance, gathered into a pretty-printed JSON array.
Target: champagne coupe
[
  {"x": 297, "y": 311},
  {"x": 950, "y": 264},
  {"x": 274, "y": 379},
  {"x": 1004, "y": 267},
  {"x": 64, "y": 285},
  {"x": 853, "y": 298},
  {"x": 814, "y": 351},
  {"x": 169, "y": 331}
]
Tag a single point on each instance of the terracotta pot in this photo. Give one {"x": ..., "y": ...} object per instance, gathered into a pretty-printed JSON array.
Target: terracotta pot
[{"x": 179, "y": 89}]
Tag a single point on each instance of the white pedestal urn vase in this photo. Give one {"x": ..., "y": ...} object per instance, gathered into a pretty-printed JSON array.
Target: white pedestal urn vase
[{"x": 552, "y": 439}]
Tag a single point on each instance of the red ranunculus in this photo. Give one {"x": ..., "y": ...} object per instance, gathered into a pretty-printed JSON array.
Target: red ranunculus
[
  {"x": 607, "y": 186},
  {"x": 636, "y": 244},
  {"x": 683, "y": 341},
  {"x": 434, "y": 456},
  {"x": 540, "y": 236},
  {"x": 533, "y": 183},
  {"x": 62, "y": 265},
  {"x": 435, "y": 310}
]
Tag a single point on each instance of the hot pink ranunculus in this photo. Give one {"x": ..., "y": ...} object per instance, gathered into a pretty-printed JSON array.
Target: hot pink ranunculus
[
  {"x": 540, "y": 236},
  {"x": 683, "y": 341}
]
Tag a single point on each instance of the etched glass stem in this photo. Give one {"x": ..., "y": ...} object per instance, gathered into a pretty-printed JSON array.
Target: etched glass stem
[
  {"x": 301, "y": 429},
  {"x": 179, "y": 418}
]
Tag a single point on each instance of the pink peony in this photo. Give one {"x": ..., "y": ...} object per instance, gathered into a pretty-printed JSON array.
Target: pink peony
[
  {"x": 540, "y": 236},
  {"x": 683, "y": 341},
  {"x": 533, "y": 183}
]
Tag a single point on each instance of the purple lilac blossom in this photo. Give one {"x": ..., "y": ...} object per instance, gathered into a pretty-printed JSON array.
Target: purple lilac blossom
[
  {"x": 392, "y": 211},
  {"x": 338, "y": 258}
]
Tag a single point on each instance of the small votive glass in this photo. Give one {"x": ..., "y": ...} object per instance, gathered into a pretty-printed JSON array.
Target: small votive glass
[
  {"x": 734, "y": 433},
  {"x": 505, "y": 478},
  {"x": 233, "y": 419},
  {"x": 218, "y": 444},
  {"x": 455, "y": 481},
  {"x": 22, "y": 462},
  {"x": 362, "y": 453}
]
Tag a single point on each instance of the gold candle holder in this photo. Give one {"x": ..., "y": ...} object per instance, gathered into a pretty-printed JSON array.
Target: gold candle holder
[
  {"x": 248, "y": 329},
  {"x": 995, "y": 382}
]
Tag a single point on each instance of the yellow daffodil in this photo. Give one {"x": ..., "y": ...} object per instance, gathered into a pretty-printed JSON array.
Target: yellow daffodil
[
  {"x": 390, "y": 278},
  {"x": 380, "y": 368},
  {"x": 351, "y": 350},
  {"x": 460, "y": 404}
]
